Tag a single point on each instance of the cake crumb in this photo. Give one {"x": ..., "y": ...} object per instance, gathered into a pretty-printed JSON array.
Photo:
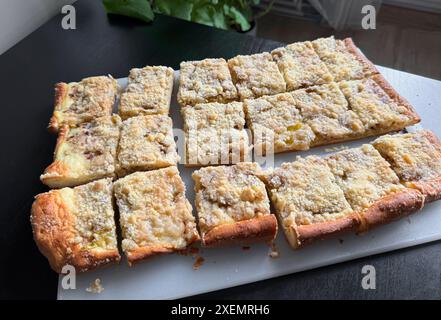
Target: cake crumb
[
  {"x": 95, "y": 287},
  {"x": 274, "y": 253},
  {"x": 246, "y": 248},
  {"x": 194, "y": 251},
  {"x": 198, "y": 263},
  {"x": 190, "y": 251}
]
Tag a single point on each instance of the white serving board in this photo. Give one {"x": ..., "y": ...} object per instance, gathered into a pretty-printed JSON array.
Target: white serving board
[{"x": 172, "y": 276}]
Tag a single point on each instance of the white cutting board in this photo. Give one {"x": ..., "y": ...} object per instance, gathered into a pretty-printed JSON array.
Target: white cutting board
[{"x": 172, "y": 276}]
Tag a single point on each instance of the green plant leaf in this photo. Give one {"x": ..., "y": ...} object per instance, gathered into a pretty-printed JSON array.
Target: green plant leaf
[
  {"x": 177, "y": 8},
  {"x": 139, "y": 9},
  {"x": 209, "y": 13},
  {"x": 237, "y": 18}
]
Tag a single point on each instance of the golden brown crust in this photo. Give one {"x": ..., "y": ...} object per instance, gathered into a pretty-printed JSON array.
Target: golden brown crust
[
  {"x": 142, "y": 253},
  {"x": 57, "y": 169},
  {"x": 368, "y": 66},
  {"x": 306, "y": 234},
  {"x": 135, "y": 256},
  {"x": 391, "y": 207},
  {"x": 54, "y": 233},
  {"x": 394, "y": 95},
  {"x": 433, "y": 139},
  {"x": 61, "y": 90},
  {"x": 247, "y": 231},
  {"x": 431, "y": 189}
]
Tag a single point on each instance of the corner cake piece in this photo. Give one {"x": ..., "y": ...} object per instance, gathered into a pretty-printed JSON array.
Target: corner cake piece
[
  {"x": 232, "y": 205},
  {"x": 301, "y": 66},
  {"x": 277, "y": 124},
  {"x": 256, "y": 75},
  {"x": 76, "y": 226},
  {"x": 215, "y": 134},
  {"x": 308, "y": 202},
  {"x": 415, "y": 158},
  {"x": 371, "y": 187},
  {"x": 84, "y": 153},
  {"x": 78, "y": 102},
  {"x": 378, "y": 105},
  {"x": 148, "y": 92},
  {"x": 343, "y": 59},
  {"x": 325, "y": 109},
  {"x": 204, "y": 81},
  {"x": 155, "y": 216},
  {"x": 146, "y": 143}
]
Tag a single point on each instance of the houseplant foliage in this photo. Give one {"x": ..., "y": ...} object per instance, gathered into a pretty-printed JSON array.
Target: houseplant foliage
[{"x": 224, "y": 14}]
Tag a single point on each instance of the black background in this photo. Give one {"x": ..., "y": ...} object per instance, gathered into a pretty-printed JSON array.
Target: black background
[{"x": 102, "y": 45}]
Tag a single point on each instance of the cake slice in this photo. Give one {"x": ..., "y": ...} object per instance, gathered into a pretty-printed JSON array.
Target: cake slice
[
  {"x": 232, "y": 205},
  {"x": 277, "y": 124},
  {"x": 155, "y": 216},
  {"x": 78, "y": 102},
  {"x": 84, "y": 153},
  {"x": 371, "y": 187},
  {"x": 325, "y": 109},
  {"x": 76, "y": 226},
  {"x": 301, "y": 66},
  {"x": 343, "y": 59},
  {"x": 148, "y": 92},
  {"x": 146, "y": 143},
  {"x": 378, "y": 105},
  {"x": 415, "y": 158},
  {"x": 204, "y": 81},
  {"x": 215, "y": 134},
  {"x": 309, "y": 203},
  {"x": 256, "y": 75}
]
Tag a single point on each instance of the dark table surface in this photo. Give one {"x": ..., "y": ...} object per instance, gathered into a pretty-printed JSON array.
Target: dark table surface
[{"x": 102, "y": 45}]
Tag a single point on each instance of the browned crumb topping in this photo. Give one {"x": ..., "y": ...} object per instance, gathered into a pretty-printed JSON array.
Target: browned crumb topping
[
  {"x": 276, "y": 121},
  {"x": 228, "y": 194},
  {"x": 208, "y": 80},
  {"x": 146, "y": 143},
  {"x": 305, "y": 191},
  {"x": 413, "y": 156},
  {"x": 215, "y": 133},
  {"x": 154, "y": 212},
  {"x": 85, "y": 100},
  {"x": 301, "y": 66},
  {"x": 148, "y": 92},
  {"x": 256, "y": 75},
  {"x": 363, "y": 175}
]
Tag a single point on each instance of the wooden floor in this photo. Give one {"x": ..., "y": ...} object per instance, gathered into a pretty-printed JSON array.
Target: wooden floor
[{"x": 405, "y": 39}]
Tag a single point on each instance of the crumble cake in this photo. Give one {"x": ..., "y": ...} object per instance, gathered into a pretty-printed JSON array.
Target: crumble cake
[
  {"x": 371, "y": 187},
  {"x": 76, "y": 226},
  {"x": 415, "y": 158},
  {"x": 325, "y": 109},
  {"x": 256, "y": 75},
  {"x": 146, "y": 143},
  {"x": 148, "y": 92},
  {"x": 84, "y": 153},
  {"x": 78, "y": 102},
  {"x": 301, "y": 66},
  {"x": 215, "y": 134},
  {"x": 232, "y": 205},
  {"x": 378, "y": 105},
  {"x": 155, "y": 216},
  {"x": 308, "y": 202},
  {"x": 276, "y": 123},
  {"x": 204, "y": 81},
  {"x": 343, "y": 59}
]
